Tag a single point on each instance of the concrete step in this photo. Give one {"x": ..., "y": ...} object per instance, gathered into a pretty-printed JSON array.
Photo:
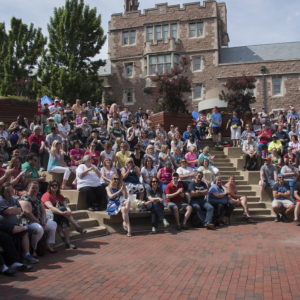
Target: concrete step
[
  {"x": 248, "y": 193},
  {"x": 244, "y": 187},
  {"x": 226, "y": 169},
  {"x": 253, "y": 199},
  {"x": 88, "y": 222},
  {"x": 252, "y": 205},
  {"x": 80, "y": 214},
  {"x": 240, "y": 178},
  {"x": 72, "y": 206},
  {"x": 240, "y": 182},
  {"x": 256, "y": 218},
  {"x": 91, "y": 232},
  {"x": 223, "y": 165},
  {"x": 230, "y": 173},
  {"x": 254, "y": 211}
]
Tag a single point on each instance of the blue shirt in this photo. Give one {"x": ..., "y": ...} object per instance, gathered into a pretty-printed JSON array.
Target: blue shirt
[
  {"x": 281, "y": 189},
  {"x": 219, "y": 190},
  {"x": 186, "y": 135},
  {"x": 217, "y": 118},
  {"x": 235, "y": 120}
]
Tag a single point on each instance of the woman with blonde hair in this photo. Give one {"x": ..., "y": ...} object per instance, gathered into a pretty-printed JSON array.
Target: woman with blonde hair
[
  {"x": 56, "y": 163},
  {"x": 117, "y": 201}
]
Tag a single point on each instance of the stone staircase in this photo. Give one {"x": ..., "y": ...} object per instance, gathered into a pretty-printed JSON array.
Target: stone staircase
[{"x": 229, "y": 163}]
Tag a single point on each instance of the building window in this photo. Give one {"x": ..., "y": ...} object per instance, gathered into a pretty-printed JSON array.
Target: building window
[
  {"x": 196, "y": 64},
  {"x": 197, "y": 91},
  {"x": 128, "y": 37},
  {"x": 128, "y": 96},
  {"x": 276, "y": 85},
  {"x": 174, "y": 31},
  {"x": 162, "y": 32},
  {"x": 165, "y": 32},
  {"x": 129, "y": 69},
  {"x": 159, "y": 64},
  {"x": 176, "y": 60},
  {"x": 149, "y": 33},
  {"x": 195, "y": 29},
  {"x": 158, "y": 35}
]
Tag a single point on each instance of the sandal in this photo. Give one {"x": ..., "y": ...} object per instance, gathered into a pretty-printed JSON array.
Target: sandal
[{"x": 81, "y": 230}]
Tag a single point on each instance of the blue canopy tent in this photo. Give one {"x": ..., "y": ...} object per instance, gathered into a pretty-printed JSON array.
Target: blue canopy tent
[{"x": 46, "y": 100}]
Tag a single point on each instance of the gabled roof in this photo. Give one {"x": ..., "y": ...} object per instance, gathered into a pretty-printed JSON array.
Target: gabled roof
[{"x": 257, "y": 53}]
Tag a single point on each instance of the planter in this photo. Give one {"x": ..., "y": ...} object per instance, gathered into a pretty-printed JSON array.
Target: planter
[
  {"x": 10, "y": 108},
  {"x": 178, "y": 119}
]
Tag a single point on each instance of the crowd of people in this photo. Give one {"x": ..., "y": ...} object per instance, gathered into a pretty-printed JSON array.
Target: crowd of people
[{"x": 119, "y": 159}]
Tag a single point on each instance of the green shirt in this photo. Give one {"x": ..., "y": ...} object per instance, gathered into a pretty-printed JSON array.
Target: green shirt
[{"x": 33, "y": 170}]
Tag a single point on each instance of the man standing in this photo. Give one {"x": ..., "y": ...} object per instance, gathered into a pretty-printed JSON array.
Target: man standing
[
  {"x": 198, "y": 190},
  {"x": 216, "y": 120},
  {"x": 268, "y": 176},
  {"x": 77, "y": 108},
  {"x": 281, "y": 194},
  {"x": 175, "y": 195},
  {"x": 297, "y": 208}
]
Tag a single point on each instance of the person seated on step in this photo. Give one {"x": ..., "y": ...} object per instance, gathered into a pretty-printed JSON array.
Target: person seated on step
[
  {"x": 268, "y": 176},
  {"x": 56, "y": 163},
  {"x": 131, "y": 176},
  {"x": 155, "y": 203},
  {"x": 198, "y": 190},
  {"x": 275, "y": 159},
  {"x": 250, "y": 153},
  {"x": 57, "y": 209},
  {"x": 89, "y": 183},
  {"x": 9, "y": 210},
  {"x": 35, "y": 219},
  {"x": 175, "y": 201},
  {"x": 186, "y": 174},
  {"x": 275, "y": 143},
  {"x": 236, "y": 199},
  {"x": 282, "y": 205},
  {"x": 205, "y": 154},
  {"x": 218, "y": 197},
  {"x": 118, "y": 201},
  {"x": 208, "y": 173},
  {"x": 290, "y": 175},
  {"x": 297, "y": 198},
  {"x": 248, "y": 130}
]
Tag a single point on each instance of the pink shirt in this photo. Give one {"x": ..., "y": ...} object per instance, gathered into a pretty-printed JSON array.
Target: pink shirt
[
  {"x": 191, "y": 156},
  {"x": 77, "y": 154}
]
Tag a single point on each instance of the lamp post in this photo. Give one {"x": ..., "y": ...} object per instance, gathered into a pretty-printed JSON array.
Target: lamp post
[{"x": 263, "y": 71}]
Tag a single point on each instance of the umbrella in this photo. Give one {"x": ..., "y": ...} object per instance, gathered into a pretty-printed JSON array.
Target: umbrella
[{"x": 46, "y": 100}]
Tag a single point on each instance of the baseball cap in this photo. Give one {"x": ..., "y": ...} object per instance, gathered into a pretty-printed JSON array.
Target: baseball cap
[
  {"x": 280, "y": 175},
  {"x": 274, "y": 135},
  {"x": 216, "y": 107},
  {"x": 268, "y": 159}
]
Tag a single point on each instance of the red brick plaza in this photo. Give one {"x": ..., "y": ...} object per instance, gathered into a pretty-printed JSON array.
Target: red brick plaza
[{"x": 246, "y": 261}]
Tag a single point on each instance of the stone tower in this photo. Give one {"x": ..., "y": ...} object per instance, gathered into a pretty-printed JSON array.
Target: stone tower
[{"x": 131, "y": 5}]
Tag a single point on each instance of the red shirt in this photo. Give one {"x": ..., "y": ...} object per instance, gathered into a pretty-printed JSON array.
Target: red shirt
[
  {"x": 40, "y": 110},
  {"x": 48, "y": 197},
  {"x": 171, "y": 189},
  {"x": 36, "y": 139},
  {"x": 264, "y": 139},
  {"x": 94, "y": 157}
]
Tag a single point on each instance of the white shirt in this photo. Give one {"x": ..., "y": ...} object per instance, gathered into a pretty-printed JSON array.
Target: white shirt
[
  {"x": 185, "y": 171},
  {"x": 90, "y": 179}
]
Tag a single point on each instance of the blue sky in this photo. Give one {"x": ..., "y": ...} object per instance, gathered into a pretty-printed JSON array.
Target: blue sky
[{"x": 250, "y": 22}]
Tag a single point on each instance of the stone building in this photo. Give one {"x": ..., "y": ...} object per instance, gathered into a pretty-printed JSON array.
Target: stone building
[{"x": 141, "y": 44}]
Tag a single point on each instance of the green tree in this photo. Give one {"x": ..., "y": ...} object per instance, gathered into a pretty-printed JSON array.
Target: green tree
[
  {"x": 238, "y": 93},
  {"x": 70, "y": 68},
  {"x": 20, "y": 50}
]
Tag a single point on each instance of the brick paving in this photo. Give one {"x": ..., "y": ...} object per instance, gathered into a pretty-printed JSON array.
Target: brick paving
[{"x": 259, "y": 261}]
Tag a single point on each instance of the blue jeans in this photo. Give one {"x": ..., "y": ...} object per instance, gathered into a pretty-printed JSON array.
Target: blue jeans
[
  {"x": 157, "y": 209},
  {"x": 200, "y": 206},
  {"x": 262, "y": 146}
]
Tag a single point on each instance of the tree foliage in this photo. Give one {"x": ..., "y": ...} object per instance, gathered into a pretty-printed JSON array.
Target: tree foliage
[
  {"x": 170, "y": 87},
  {"x": 20, "y": 50},
  {"x": 69, "y": 68},
  {"x": 238, "y": 95}
]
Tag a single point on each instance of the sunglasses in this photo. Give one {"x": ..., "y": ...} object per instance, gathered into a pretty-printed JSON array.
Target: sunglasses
[
  {"x": 116, "y": 179},
  {"x": 154, "y": 181}
]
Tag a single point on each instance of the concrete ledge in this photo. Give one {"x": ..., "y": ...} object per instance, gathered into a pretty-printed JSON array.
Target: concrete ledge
[
  {"x": 233, "y": 152},
  {"x": 252, "y": 177}
]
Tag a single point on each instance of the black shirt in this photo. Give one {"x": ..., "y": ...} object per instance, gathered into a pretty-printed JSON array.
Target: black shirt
[{"x": 193, "y": 186}]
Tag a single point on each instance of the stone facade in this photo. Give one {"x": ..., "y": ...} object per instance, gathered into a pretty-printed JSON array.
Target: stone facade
[{"x": 141, "y": 44}]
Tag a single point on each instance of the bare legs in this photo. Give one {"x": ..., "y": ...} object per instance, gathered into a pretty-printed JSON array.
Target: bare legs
[{"x": 125, "y": 215}]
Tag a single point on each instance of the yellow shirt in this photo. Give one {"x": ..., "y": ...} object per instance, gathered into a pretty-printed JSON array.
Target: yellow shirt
[
  {"x": 276, "y": 145},
  {"x": 122, "y": 158}
]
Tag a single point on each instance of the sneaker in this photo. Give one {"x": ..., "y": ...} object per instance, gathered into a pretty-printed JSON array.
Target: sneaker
[
  {"x": 185, "y": 227},
  {"x": 277, "y": 219},
  {"x": 296, "y": 222},
  {"x": 210, "y": 226},
  {"x": 178, "y": 227},
  {"x": 71, "y": 246},
  {"x": 30, "y": 259},
  {"x": 81, "y": 230},
  {"x": 166, "y": 223},
  {"x": 154, "y": 230},
  {"x": 284, "y": 219}
]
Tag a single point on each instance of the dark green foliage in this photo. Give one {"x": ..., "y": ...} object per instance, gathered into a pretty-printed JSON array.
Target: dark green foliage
[
  {"x": 238, "y": 96},
  {"x": 170, "y": 87},
  {"x": 20, "y": 50},
  {"x": 69, "y": 69}
]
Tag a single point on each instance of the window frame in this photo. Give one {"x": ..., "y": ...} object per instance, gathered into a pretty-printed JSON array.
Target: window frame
[
  {"x": 196, "y": 29},
  {"x": 130, "y": 41},
  {"x": 195, "y": 85},
  {"x": 194, "y": 58},
  {"x": 125, "y": 96},
  {"x": 126, "y": 65},
  {"x": 275, "y": 85}
]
